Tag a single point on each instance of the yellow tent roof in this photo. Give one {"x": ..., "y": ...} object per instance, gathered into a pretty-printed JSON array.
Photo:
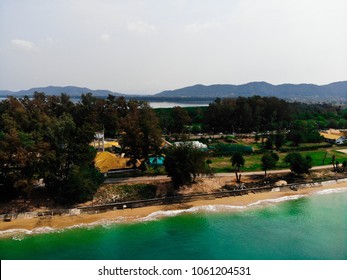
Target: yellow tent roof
[
  {"x": 334, "y": 131},
  {"x": 330, "y": 136},
  {"x": 111, "y": 143},
  {"x": 106, "y": 161}
]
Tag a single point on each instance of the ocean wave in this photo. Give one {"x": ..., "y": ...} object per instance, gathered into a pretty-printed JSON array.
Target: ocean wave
[
  {"x": 16, "y": 233},
  {"x": 276, "y": 200},
  {"x": 196, "y": 209},
  {"x": 106, "y": 223},
  {"x": 217, "y": 208},
  {"x": 329, "y": 191},
  {"x": 20, "y": 233}
]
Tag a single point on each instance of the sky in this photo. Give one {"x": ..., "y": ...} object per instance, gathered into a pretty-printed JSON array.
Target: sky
[{"x": 147, "y": 46}]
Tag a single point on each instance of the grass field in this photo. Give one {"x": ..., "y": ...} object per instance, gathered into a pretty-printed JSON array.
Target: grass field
[{"x": 253, "y": 162}]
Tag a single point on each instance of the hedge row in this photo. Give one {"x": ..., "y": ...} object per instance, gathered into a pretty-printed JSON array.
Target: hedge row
[
  {"x": 221, "y": 149},
  {"x": 305, "y": 148}
]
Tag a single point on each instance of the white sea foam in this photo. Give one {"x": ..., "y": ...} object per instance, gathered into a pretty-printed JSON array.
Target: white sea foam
[
  {"x": 103, "y": 222},
  {"x": 19, "y": 233},
  {"x": 329, "y": 191},
  {"x": 217, "y": 208},
  {"x": 276, "y": 200},
  {"x": 16, "y": 233},
  {"x": 196, "y": 209},
  {"x": 44, "y": 230}
]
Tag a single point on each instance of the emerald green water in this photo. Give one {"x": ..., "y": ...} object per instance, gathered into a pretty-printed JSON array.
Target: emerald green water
[{"x": 313, "y": 227}]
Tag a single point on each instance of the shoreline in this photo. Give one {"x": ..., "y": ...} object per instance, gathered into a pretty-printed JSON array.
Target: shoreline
[{"x": 46, "y": 224}]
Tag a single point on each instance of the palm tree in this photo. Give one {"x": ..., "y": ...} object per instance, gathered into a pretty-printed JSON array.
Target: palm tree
[{"x": 238, "y": 161}]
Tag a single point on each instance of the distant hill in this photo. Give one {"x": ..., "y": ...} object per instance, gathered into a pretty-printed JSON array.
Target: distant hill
[
  {"x": 334, "y": 92},
  {"x": 303, "y": 92},
  {"x": 53, "y": 90}
]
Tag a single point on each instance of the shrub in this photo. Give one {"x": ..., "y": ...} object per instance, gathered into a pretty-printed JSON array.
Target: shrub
[
  {"x": 221, "y": 149},
  {"x": 305, "y": 148}
]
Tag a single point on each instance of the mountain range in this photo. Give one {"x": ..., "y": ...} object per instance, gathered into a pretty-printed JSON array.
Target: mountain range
[
  {"x": 336, "y": 90},
  {"x": 54, "y": 90},
  {"x": 303, "y": 92}
]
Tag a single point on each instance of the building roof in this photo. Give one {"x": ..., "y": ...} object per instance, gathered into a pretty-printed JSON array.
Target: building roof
[
  {"x": 335, "y": 132},
  {"x": 194, "y": 144},
  {"x": 156, "y": 160},
  {"x": 106, "y": 161},
  {"x": 107, "y": 144},
  {"x": 331, "y": 136}
]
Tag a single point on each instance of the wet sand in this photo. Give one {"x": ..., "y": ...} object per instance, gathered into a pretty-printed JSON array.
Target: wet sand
[{"x": 130, "y": 215}]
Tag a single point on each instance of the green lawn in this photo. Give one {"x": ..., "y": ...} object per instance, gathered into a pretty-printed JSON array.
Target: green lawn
[{"x": 253, "y": 162}]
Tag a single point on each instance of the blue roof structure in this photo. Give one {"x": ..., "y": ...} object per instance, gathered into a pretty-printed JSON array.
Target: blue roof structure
[{"x": 156, "y": 160}]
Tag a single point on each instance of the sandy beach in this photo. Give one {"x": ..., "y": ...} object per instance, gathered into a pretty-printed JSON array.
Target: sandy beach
[{"x": 130, "y": 215}]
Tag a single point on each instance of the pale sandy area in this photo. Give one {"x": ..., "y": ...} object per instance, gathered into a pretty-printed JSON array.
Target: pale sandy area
[
  {"x": 343, "y": 151},
  {"x": 129, "y": 215}
]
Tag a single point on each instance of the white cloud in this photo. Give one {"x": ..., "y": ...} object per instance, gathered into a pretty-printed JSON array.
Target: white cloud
[
  {"x": 141, "y": 27},
  {"x": 105, "y": 37},
  {"x": 239, "y": 41},
  {"x": 198, "y": 27},
  {"x": 23, "y": 45},
  {"x": 49, "y": 40}
]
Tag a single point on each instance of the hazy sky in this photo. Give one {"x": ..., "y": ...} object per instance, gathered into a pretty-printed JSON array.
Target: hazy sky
[{"x": 147, "y": 46}]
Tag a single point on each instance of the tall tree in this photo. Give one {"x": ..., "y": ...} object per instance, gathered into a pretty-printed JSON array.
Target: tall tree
[
  {"x": 304, "y": 132},
  {"x": 180, "y": 119},
  {"x": 152, "y": 137},
  {"x": 268, "y": 161},
  {"x": 269, "y": 142},
  {"x": 132, "y": 139},
  {"x": 238, "y": 161},
  {"x": 142, "y": 134},
  {"x": 40, "y": 139},
  {"x": 298, "y": 164},
  {"x": 17, "y": 149},
  {"x": 109, "y": 117},
  {"x": 184, "y": 163},
  {"x": 280, "y": 139}
]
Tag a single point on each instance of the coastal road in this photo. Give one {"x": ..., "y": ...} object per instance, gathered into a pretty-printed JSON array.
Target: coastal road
[{"x": 166, "y": 178}]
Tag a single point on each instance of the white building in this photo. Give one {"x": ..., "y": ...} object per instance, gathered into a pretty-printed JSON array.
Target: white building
[{"x": 194, "y": 144}]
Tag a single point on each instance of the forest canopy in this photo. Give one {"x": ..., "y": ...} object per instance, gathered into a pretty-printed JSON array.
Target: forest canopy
[{"x": 47, "y": 137}]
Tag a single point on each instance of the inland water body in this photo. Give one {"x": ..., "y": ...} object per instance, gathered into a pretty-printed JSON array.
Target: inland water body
[
  {"x": 157, "y": 104},
  {"x": 295, "y": 227}
]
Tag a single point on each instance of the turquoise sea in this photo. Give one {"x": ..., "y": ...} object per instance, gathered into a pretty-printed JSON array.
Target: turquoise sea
[{"x": 295, "y": 227}]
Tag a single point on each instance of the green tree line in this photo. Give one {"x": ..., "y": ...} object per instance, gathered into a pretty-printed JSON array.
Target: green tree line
[
  {"x": 47, "y": 138},
  {"x": 258, "y": 114}
]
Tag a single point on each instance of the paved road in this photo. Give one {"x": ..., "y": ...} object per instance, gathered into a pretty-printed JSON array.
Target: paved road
[{"x": 166, "y": 178}]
